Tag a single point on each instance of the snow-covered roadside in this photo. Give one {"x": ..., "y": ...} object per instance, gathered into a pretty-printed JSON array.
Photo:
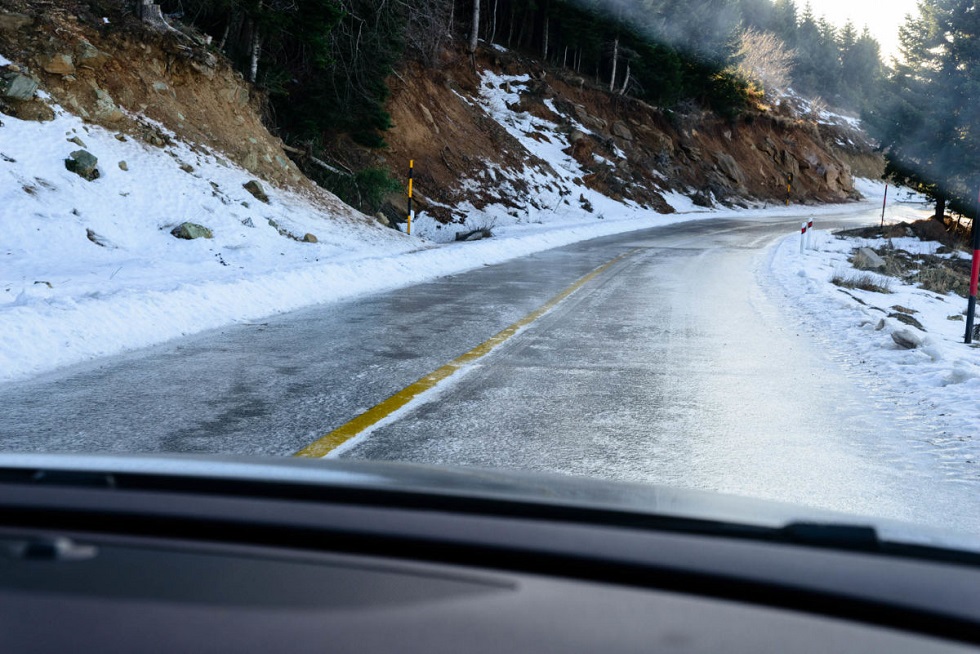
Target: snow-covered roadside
[
  {"x": 931, "y": 390},
  {"x": 90, "y": 268}
]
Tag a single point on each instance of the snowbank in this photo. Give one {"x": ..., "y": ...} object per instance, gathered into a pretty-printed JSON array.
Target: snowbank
[{"x": 932, "y": 389}]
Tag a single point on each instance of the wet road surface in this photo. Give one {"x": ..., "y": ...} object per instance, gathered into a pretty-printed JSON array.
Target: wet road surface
[{"x": 672, "y": 366}]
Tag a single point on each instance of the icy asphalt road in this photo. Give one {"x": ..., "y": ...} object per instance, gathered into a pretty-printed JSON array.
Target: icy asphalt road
[{"x": 674, "y": 366}]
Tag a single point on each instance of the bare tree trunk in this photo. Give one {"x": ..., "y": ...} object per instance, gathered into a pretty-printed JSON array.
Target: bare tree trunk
[
  {"x": 615, "y": 60},
  {"x": 564, "y": 58},
  {"x": 474, "y": 30},
  {"x": 493, "y": 32},
  {"x": 224, "y": 36},
  {"x": 253, "y": 70},
  {"x": 626, "y": 82},
  {"x": 544, "y": 49},
  {"x": 452, "y": 17},
  {"x": 940, "y": 208}
]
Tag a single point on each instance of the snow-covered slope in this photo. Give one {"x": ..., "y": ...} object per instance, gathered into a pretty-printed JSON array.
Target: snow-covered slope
[{"x": 91, "y": 268}]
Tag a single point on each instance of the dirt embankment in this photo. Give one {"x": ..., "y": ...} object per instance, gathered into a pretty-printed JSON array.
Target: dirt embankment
[
  {"x": 99, "y": 62},
  {"x": 628, "y": 149}
]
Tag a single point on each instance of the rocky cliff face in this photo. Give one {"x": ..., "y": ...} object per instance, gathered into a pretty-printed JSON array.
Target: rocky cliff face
[
  {"x": 111, "y": 69},
  {"x": 469, "y": 131},
  {"x": 625, "y": 149}
]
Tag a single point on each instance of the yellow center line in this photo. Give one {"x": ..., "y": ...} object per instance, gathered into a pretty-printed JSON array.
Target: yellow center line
[{"x": 376, "y": 414}]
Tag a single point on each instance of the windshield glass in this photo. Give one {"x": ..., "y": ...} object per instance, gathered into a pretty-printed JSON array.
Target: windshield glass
[{"x": 719, "y": 245}]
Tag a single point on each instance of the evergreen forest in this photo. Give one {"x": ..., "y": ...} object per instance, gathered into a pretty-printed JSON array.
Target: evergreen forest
[{"x": 325, "y": 63}]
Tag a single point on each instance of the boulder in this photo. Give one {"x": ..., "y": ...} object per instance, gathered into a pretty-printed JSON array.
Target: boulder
[
  {"x": 105, "y": 107},
  {"x": 589, "y": 120},
  {"x": 84, "y": 164},
  {"x": 576, "y": 135},
  {"x": 907, "y": 319},
  {"x": 693, "y": 152},
  {"x": 16, "y": 86},
  {"x": 190, "y": 231},
  {"x": 474, "y": 235},
  {"x": 661, "y": 143},
  {"x": 428, "y": 117},
  {"x": 14, "y": 22},
  {"x": 789, "y": 163},
  {"x": 832, "y": 175},
  {"x": 255, "y": 188},
  {"x": 58, "y": 64},
  {"x": 123, "y": 166},
  {"x": 35, "y": 110},
  {"x": 701, "y": 199},
  {"x": 88, "y": 55},
  {"x": 620, "y": 129},
  {"x": 869, "y": 260},
  {"x": 309, "y": 238},
  {"x": 906, "y": 338},
  {"x": 730, "y": 167},
  {"x": 96, "y": 238}
]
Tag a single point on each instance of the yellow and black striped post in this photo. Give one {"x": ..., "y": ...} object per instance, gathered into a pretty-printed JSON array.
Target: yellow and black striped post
[{"x": 411, "y": 176}]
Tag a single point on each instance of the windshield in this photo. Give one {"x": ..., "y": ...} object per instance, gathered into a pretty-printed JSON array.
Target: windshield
[{"x": 721, "y": 245}]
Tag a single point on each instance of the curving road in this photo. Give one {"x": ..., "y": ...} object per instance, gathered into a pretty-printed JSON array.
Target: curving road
[{"x": 670, "y": 366}]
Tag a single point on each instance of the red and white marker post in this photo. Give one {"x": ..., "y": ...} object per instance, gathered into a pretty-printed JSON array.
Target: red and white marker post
[
  {"x": 974, "y": 275},
  {"x": 809, "y": 234},
  {"x": 803, "y": 238}
]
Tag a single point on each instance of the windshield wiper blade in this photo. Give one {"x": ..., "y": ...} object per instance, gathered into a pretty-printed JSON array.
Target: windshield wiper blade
[{"x": 837, "y": 536}]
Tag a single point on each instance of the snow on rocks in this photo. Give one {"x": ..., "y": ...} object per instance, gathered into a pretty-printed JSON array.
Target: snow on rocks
[{"x": 907, "y": 338}]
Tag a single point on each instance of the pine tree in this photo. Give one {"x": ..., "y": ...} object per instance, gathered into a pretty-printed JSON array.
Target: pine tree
[
  {"x": 925, "y": 122},
  {"x": 784, "y": 21}
]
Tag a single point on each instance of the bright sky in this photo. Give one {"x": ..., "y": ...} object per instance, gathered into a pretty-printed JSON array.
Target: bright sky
[{"x": 883, "y": 17}]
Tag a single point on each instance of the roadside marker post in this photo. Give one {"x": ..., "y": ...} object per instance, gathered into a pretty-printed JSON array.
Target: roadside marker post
[
  {"x": 809, "y": 234},
  {"x": 803, "y": 239},
  {"x": 789, "y": 187},
  {"x": 883, "y": 203},
  {"x": 971, "y": 309},
  {"x": 411, "y": 180}
]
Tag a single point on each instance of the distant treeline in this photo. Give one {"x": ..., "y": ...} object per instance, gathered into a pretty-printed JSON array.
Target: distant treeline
[{"x": 326, "y": 62}]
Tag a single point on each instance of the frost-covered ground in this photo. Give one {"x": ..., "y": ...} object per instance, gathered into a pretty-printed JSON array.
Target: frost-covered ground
[{"x": 932, "y": 389}]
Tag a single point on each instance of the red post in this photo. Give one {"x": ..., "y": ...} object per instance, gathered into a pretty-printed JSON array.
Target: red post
[{"x": 971, "y": 308}]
